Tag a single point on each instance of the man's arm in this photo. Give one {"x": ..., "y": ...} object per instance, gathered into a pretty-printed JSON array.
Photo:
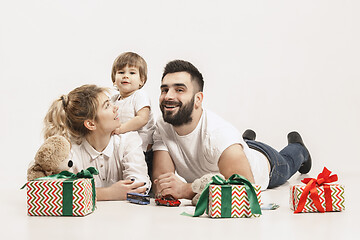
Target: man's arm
[
  {"x": 165, "y": 180},
  {"x": 233, "y": 160},
  {"x": 162, "y": 163}
]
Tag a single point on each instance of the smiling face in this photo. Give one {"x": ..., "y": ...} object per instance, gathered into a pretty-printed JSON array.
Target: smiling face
[
  {"x": 128, "y": 80},
  {"x": 107, "y": 117},
  {"x": 177, "y": 98}
]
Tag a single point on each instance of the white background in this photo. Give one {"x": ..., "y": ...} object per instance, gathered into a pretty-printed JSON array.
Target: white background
[{"x": 273, "y": 66}]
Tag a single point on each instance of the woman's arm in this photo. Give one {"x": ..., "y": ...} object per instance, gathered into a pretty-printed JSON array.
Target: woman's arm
[{"x": 118, "y": 190}]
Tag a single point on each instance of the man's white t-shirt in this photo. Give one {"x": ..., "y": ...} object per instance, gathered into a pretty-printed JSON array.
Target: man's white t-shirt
[
  {"x": 128, "y": 107},
  {"x": 122, "y": 159},
  {"x": 198, "y": 153}
]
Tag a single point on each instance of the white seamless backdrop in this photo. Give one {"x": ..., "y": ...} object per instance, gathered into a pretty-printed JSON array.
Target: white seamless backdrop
[{"x": 273, "y": 66}]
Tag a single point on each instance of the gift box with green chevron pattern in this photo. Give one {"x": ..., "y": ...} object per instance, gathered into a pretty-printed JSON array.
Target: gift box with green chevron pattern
[
  {"x": 61, "y": 197},
  {"x": 335, "y": 201},
  {"x": 230, "y": 201}
]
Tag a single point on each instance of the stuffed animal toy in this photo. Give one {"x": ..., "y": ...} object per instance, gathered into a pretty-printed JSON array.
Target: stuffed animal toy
[
  {"x": 51, "y": 158},
  {"x": 199, "y": 184}
]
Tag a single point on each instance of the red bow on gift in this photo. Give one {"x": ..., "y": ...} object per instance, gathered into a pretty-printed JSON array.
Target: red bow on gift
[{"x": 311, "y": 184}]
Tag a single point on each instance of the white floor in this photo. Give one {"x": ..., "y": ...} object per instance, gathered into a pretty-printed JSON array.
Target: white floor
[{"x": 123, "y": 220}]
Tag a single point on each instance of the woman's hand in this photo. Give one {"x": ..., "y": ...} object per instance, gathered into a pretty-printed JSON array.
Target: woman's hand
[{"x": 118, "y": 190}]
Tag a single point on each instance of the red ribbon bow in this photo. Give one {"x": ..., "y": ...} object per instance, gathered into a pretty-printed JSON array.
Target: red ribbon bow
[{"x": 311, "y": 184}]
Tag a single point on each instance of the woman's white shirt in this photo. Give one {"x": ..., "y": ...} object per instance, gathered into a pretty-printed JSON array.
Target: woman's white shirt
[{"x": 122, "y": 159}]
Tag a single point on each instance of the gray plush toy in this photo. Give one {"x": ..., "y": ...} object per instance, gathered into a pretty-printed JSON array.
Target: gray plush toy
[{"x": 199, "y": 184}]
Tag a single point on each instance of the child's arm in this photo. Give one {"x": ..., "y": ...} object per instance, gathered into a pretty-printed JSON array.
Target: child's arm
[{"x": 140, "y": 120}]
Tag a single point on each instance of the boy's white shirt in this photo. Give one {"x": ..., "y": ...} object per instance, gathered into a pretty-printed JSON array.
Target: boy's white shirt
[
  {"x": 128, "y": 107},
  {"x": 198, "y": 153},
  {"x": 122, "y": 159}
]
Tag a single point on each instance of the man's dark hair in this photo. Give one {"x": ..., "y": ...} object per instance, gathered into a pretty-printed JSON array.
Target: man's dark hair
[{"x": 184, "y": 66}]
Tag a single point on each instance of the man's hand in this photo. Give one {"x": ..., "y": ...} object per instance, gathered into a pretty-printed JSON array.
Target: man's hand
[
  {"x": 118, "y": 190},
  {"x": 170, "y": 184}
]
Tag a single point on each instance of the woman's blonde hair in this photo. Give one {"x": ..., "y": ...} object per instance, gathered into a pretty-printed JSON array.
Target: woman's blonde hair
[
  {"x": 54, "y": 121},
  {"x": 67, "y": 114}
]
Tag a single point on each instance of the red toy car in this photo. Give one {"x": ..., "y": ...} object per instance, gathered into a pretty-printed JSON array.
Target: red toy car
[{"x": 167, "y": 200}]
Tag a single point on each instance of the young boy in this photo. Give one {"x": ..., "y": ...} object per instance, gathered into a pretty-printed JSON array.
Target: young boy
[{"x": 129, "y": 74}]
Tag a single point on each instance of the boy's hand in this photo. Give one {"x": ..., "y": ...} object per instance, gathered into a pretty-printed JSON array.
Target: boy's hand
[{"x": 117, "y": 131}]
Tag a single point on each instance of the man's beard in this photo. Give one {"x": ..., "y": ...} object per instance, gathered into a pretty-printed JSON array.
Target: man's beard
[{"x": 183, "y": 116}]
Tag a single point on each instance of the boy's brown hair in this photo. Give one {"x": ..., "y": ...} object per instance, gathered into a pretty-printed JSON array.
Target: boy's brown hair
[{"x": 130, "y": 59}]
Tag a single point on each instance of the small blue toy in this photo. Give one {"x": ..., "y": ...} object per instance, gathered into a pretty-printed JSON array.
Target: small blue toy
[{"x": 138, "y": 198}]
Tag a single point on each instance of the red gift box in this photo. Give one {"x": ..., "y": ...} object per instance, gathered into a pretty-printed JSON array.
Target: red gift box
[{"x": 318, "y": 195}]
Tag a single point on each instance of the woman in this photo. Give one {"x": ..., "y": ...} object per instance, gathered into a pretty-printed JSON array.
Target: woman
[{"x": 87, "y": 117}]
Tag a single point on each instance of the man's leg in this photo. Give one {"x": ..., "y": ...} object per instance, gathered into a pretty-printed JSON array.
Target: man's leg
[
  {"x": 285, "y": 163},
  {"x": 294, "y": 137}
]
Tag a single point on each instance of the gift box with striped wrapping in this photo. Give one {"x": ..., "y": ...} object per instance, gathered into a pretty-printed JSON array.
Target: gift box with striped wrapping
[
  {"x": 46, "y": 198},
  {"x": 318, "y": 195},
  {"x": 63, "y": 194},
  {"x": 337, "y": 198},
  {"x": 231, "y": 201}
]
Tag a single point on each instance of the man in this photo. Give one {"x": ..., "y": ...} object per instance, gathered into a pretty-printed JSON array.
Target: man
[{"x": 194, "y": 141}]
